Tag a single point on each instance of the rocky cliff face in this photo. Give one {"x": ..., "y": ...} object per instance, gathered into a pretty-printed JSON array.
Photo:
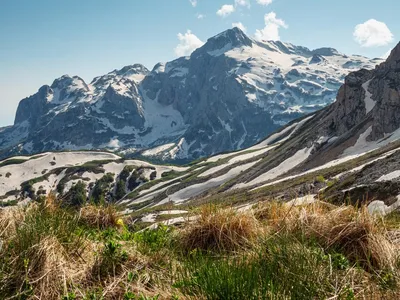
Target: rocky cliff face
[
  {"x": 227, "y": 95},
  {"x": 370, "y": 97}
]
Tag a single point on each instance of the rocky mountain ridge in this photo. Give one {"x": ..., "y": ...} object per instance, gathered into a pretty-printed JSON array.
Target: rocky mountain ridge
[
  {"x": 228, "y": 95},
  {"x": 344, "y": 152}
]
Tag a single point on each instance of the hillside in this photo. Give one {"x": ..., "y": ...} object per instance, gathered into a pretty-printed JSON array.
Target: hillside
[
  {"x": 271, "y": 250},
  {"x": 310, "y": 212},
  {"x": 228, "y": 95},
  {"x": 346, "y": 151}
]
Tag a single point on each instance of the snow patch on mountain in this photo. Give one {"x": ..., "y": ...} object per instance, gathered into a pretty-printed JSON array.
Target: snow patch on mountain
[
  {"x": 299, "y": 157},
  {"x": 369, "y": 102},
  {"x": 196, "y": 189}
]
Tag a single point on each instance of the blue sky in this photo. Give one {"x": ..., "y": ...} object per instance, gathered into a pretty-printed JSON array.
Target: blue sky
[{"x": 44, "y": 39}]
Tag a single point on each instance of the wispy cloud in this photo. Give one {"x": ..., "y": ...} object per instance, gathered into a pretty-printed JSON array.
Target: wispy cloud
[{"x": 193, "y": 2}]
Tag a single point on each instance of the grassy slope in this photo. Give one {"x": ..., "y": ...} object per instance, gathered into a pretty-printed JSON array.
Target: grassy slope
[{"x": 274, "y": 251}]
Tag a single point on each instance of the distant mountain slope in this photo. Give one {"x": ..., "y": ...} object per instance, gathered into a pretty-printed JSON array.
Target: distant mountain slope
[
  {"x": 348, "y": 151},
  {"x": 226, "y": 96}
]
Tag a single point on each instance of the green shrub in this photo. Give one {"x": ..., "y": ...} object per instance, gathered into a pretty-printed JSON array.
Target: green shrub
[
  {"x": 126, "y": 172},
  {"x": 76, "y": 196},
  {"x": 60, "y": 187},
  {"x": 132, "y": 183},
  {"x": 110, "y": 259},
  {"x": 102, "y": 187},
  {"x": 120, "y": 191},
  {"x": 28, "y": 190},
  {"x": 152, "y": 240},
  {"x": 153, "y": 175}
]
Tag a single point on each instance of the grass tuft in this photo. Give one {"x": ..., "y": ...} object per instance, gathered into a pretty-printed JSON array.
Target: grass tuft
[
  {"x": 40, "y": 248},
  {"x": 345, "y": 229},
  {"x": 100, "y": 217},
  {"x": 220, "y": 230}
]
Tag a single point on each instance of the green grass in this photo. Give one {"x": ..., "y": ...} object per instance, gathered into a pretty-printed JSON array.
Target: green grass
[
  {"x": 16, "y": 161},
  {"x": 128, "y": 263},
  {"x": 320, "y": 179},
  {"x": 282, "y": 268},
  {"x": 10, "y": 203},
  {"x": 110, "y": 259},
  {"x": 12, "y": 161},
  {"x": 152, "y": 240}
]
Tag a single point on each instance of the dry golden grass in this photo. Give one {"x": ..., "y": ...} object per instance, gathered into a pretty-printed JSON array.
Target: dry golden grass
[
  {"x": 44, "y": 266},
  {"x": 50, "y": 267},
  {"x": 99, "y": 216},
  {"x": 51, "y": 202},
  {"x": 347, "y": 229},
  {"x": 8, "y": 220},
  {"x": 220, "y": 230},
  {"x": 58, "y": 263}
]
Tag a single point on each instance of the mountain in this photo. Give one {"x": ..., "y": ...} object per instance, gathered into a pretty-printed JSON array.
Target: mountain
[
  {"x": 348, "y": 151},
  {"x": 228, "y": 95}
]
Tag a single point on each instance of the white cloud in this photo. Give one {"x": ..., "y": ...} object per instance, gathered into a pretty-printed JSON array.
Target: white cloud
[
  {"x": 193, "y": 2},
  {"x": 242, "y": 3},
  {"x": 240, "y": 26},
  {"x": 264, "y": 2},
  {"x": 200, "y": 16},
  {"x": 225, "y": 10},
  {"x": 188, "y": 42},
  {"x": 372, "y": 33},
  {"x": 271, "y": 29}
]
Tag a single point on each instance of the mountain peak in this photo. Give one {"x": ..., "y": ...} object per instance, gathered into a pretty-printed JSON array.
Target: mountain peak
[
  {"x": 67, "y": 80},
  {"x": 227, "y": 40},
  {"x": 133, "y": 69},
  {"x": 235, "y": 36}
]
